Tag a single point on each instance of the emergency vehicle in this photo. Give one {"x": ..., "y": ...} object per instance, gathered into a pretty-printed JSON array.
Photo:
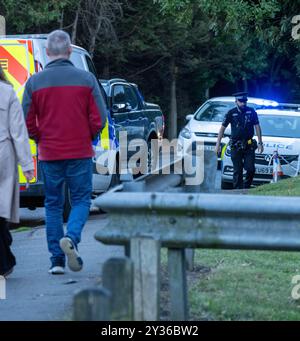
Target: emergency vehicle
[{"x": 20, "y": 57}]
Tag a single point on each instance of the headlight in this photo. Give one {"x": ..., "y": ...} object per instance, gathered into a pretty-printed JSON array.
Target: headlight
[
  {"x": 228, "y": 151},
  {"x": 186, "y": 133}
]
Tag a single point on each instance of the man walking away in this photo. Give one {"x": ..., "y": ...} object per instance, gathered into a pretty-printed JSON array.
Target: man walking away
[
  {"x": 64, "y": 112},
  {"x": 243, "y": 120}
]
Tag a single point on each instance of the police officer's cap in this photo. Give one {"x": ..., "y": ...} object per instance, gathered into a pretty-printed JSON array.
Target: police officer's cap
[{"x": 241, "y": 96}]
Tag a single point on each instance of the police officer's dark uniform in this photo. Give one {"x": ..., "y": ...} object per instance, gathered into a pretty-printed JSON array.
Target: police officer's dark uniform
[{"x": 242, "y": 145}]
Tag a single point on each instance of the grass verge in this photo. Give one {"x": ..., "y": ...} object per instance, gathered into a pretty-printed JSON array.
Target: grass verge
[
  {"x": 247, "y": 285},
  {"x": 286, "y": 187}
]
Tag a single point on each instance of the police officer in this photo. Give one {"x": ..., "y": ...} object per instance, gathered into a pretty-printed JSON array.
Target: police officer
[{"x": 243, "y": 120}]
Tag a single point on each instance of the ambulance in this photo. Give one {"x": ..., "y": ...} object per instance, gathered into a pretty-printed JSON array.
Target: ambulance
[{"x": 20, "y": 57}]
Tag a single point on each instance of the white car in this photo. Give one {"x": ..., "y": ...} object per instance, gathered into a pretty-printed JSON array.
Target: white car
[
  {"x": 205, "y": 123},
  {"x": 281, "y": 132}
]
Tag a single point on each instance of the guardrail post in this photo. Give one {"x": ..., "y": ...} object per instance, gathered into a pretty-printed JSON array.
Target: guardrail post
[
  {"x": 129, "y": 185},
  {"x": 178, "y": 284},
  {"x": 2, "y": 26},
  {"x": 92, "y": 305},
  {"x": 117, "y": 277},
  {"x": 145, "y": 253},
  {"x": 189, "y": 258},
  {"x": 210, "y": 161},
  {"x": 210, "y": 171}
]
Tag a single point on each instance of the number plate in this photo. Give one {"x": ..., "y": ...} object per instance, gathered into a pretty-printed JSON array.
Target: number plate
[{"x": 264, "y": 170}]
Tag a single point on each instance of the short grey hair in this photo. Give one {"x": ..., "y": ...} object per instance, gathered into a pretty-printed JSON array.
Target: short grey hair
[{"x": 58, "y": 43}]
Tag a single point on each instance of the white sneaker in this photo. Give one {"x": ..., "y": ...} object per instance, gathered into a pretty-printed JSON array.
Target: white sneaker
[
  {"x": 57, "y": 270},
  {"x": 75, "y": 262}
]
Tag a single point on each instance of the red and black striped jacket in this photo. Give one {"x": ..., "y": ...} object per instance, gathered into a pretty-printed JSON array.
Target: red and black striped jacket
[{"x": 64, "y": 111}]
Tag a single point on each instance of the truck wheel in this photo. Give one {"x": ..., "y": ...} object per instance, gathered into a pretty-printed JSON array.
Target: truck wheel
[
  {"x": 67, "y": 204},
  {"x": 226, "y": 185},
  {"x": 152, "y": 158},
  {"x": 115, "y": 178}
]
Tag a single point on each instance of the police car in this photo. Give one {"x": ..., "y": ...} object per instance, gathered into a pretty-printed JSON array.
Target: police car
[
  {"x": 281, "y": 132},
  {"x": 204, "y": 124}
]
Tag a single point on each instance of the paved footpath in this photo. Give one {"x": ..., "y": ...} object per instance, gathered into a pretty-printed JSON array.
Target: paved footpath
[{"x": 33, "y": 294}]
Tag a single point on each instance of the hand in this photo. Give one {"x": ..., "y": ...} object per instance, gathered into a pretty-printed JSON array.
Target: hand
[
  {"x": 260, "y": 148},
  {"x": 217, "y": 149},
  {"x": 29, "y": 175}
]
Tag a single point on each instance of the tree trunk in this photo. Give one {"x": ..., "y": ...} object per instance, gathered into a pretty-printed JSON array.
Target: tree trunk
[
  {"x": 274, "y": 72},
  {"x": 207, "y": 93},
  {"x": 74, "y": 29},
  {"x": 106, "y": 69},
  {"x": 2, "y": 25},
  {"x": 172, "y": 130},
  {"x": 94, "y": 38},
  {"x": 61, "y": 20},
  {"x": 245, "y": 85},
  {"x": 255, "y": 87}
]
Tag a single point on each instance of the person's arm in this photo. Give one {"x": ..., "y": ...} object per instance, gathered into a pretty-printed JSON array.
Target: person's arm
[
  {"x": 260, "y": 148},
  {"x": 220, "y": 136},
  {"x": 259, "y": 137},
  {"x": 30, "y": 112},
  {"x": 226, "y": 121},
  {"x": 19, "y": 136}
]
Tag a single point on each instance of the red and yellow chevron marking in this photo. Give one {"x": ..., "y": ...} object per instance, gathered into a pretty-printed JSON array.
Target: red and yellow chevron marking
[
  {"x": 17, "y": 58},
  {"x": 17, "y": 61}
]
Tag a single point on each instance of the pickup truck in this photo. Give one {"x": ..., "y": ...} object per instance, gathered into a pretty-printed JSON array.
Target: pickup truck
[{"x": 129, "y": 111}]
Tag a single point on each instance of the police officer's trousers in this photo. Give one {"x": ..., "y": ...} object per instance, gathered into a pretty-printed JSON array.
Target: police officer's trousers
[{"x": 243, "y": 159}]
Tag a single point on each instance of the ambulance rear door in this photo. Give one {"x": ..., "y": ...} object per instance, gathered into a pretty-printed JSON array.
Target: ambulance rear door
[{"x": 17, "y": 61}]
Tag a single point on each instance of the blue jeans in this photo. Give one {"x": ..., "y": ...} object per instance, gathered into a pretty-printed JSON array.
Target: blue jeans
[{"x": 76, "y": 174}]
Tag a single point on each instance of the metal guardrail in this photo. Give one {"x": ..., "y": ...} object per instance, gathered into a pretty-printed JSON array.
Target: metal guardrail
[
  {"x": 203, "y": 220},
  {"x": 180, "y": 220},
  {"x": 158, "y": 181}
]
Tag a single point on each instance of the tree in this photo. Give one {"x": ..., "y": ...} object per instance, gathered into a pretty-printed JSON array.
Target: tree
[{"x": 31, "y": 16}]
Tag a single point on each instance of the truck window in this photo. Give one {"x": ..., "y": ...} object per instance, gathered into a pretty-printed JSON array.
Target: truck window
[
  {"x": 118, "y": 95},
  {"x": 132, "y": 97},
  {"x": 125, "y": 94}
]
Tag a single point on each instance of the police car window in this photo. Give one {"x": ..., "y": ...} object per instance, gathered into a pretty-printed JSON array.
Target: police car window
[
  {"x": 91, "y": 66},
  {"x": 215, "y": 112},
  {"x": 280, "y": 126}
]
